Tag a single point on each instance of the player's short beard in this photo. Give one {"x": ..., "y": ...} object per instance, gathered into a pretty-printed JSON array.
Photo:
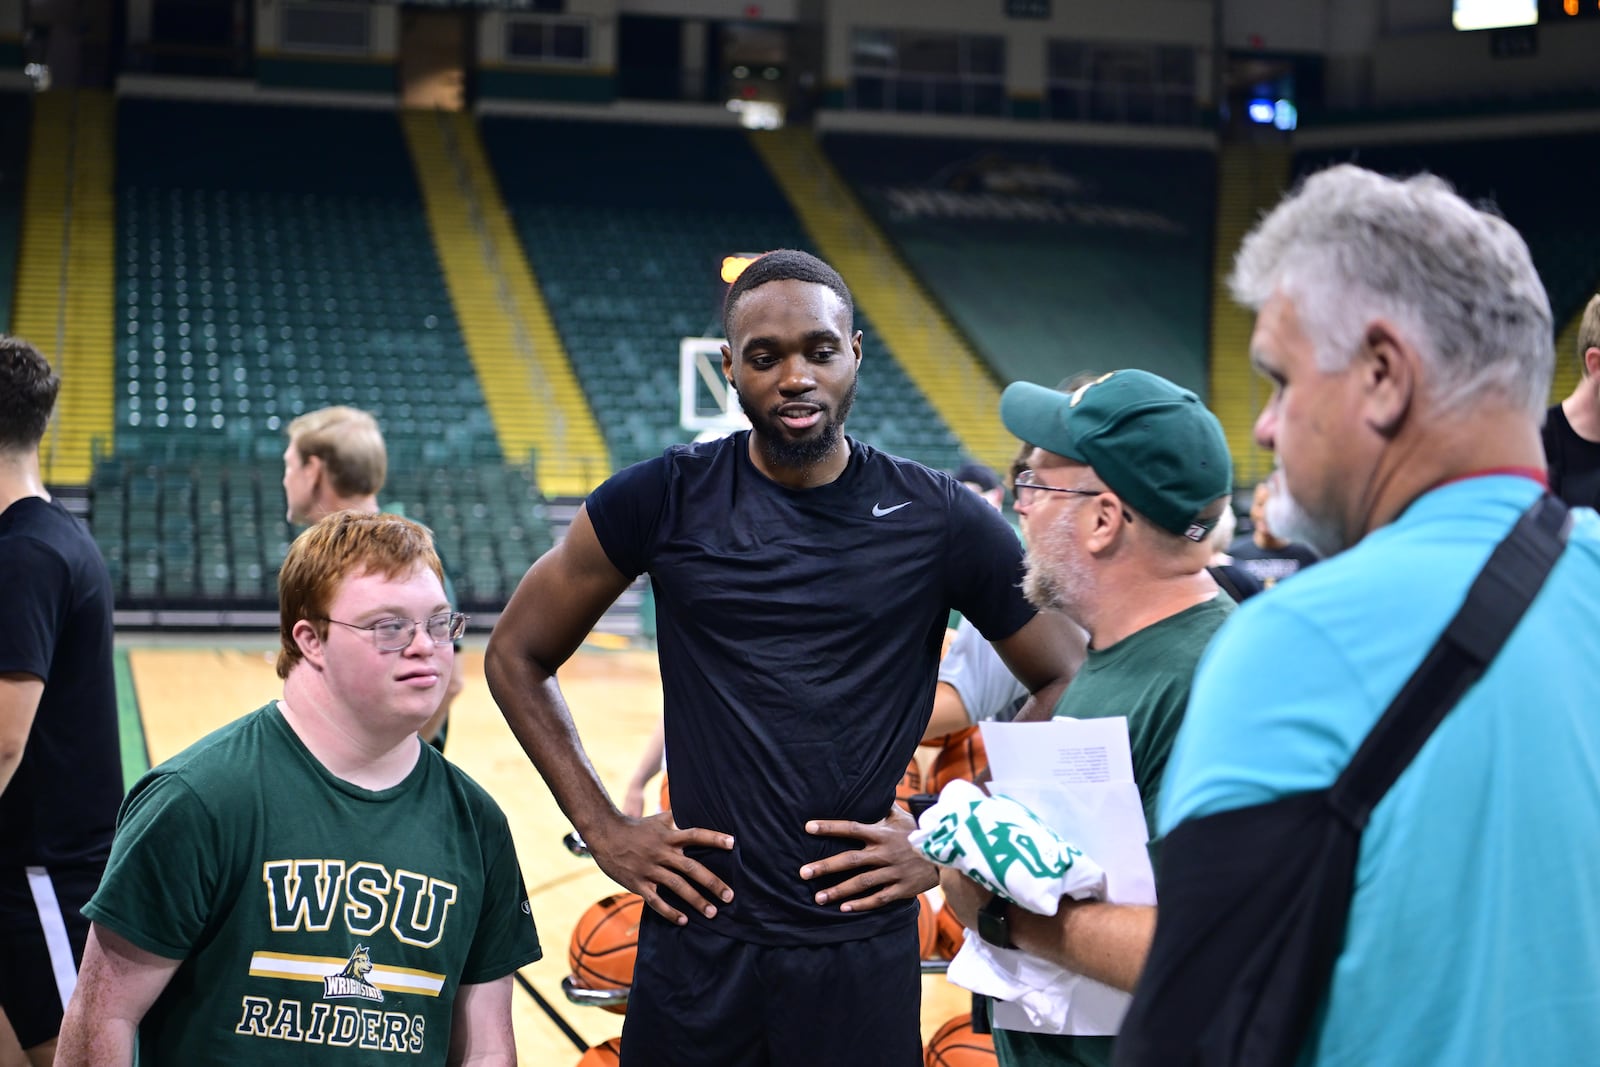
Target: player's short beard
[{"x": 783, "y": 451}]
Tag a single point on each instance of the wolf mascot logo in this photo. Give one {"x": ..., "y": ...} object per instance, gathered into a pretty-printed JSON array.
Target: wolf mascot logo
[{"x": 352, "y": 980}]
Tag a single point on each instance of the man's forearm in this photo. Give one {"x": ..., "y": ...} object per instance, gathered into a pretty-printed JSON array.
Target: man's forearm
[
  {"x": 1041, "y": 706},
  {"x": 1106, "y": 942},
  {"x": 537, "y": 714},
  {"x": 86, "y": 1041}
]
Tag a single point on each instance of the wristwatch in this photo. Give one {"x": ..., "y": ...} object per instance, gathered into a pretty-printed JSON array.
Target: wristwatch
[{"x": 992, "y": 925}]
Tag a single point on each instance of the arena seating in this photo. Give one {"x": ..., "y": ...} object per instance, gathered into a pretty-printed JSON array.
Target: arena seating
[
  {"x": 284, "y": 267},
  {"x": 626, "y": 226},
  {"x": 193, "y": 533},
  {"x": 1052, "y": 258}
]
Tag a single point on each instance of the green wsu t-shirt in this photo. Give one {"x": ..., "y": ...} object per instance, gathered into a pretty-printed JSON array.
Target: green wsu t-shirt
[{"x": 310, "y": 913}]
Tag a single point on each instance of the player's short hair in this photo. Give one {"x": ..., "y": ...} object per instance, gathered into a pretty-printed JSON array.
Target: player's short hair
[
  {"x": 343, "y": 545},
  {"x": 786, "y": 265},
  {"x": 1588, "y": 333},
  {"x": 28, "y": 388},
  {"x": 350, "y": 445}
]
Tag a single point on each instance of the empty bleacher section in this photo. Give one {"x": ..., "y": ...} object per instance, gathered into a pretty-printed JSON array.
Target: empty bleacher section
[
  {"x": 208, "y": 533},
  {"x": 1052, "y": 258},
  {"x": 626, "y": 227},
  {"x": 273, "y": 260},
  {"x": 64, "y": 272},
  {"x": 1542, "y": 185},
  {"x": 537, "y": 406}
]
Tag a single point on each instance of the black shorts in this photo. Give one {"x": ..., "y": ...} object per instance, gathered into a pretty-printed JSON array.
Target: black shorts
[
  {"x": 699, "y": 998},
  {"x": 42, "y": 931}
]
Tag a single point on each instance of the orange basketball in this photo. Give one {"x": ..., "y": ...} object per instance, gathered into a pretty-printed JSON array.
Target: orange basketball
[
  {"x": 955, "y": 1045},
  {"x": 950, "y": 933},
  {"x": 910, "y": 785},
  {"x": 607, "y": 1053},
  {"x": 927, "y": 928},
  {"x": 605, "y": 943},
  {"x": 666, "y": 797},
  {"x": 961, "y": 757}
]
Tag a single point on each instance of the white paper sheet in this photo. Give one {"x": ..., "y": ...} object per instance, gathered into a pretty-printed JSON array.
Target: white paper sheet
[
  {"x": 1065, "y": 751},
  {"x": 1077, "y": 776}
]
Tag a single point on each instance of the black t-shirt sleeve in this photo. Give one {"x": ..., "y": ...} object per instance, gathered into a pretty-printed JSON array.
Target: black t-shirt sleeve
[
  {"x": 1554, "y": 460},
  {"x": 625, "y": 511},
  {"x": 37, "y": 581},
  {"x": 983, "y": 561}
]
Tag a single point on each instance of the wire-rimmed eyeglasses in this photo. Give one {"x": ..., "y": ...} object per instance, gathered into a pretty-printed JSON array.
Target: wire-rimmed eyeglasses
[
  {"x": 392, "y": 635},
  {"x": 1029, "y": 480}
]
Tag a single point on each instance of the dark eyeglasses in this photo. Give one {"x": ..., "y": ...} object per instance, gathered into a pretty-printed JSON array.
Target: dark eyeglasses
[
  {"x": 1027, "y": 480},
  {"x": 392, "y": 635}
]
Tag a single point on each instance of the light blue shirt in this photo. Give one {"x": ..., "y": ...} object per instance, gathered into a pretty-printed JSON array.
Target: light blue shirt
[{"x": 1474, "y": 933}]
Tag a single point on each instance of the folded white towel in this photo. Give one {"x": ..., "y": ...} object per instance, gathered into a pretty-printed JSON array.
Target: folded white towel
[
  {"x": 1051, "y": 1000},
  {"x": 1000, "y": 844}
]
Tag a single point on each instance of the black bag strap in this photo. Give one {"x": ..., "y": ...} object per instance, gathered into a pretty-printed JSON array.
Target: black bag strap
[
  {"x": 1495, "y": 603},
  {"x": 1225, "y": 581}
]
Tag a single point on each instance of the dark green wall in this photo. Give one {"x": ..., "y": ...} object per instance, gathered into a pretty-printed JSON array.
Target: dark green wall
[
  {"x": 299, "y": 73},
  {"x": 546, "y": 85}
]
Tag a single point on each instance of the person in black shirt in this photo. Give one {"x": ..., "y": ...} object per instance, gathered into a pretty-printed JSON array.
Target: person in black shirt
[
  {"x": 1572, "y": 427},
  {"x": 60, "y": 763},
  {"x": 803, "y": 580},
  {"x": 1262, "y": 553}
]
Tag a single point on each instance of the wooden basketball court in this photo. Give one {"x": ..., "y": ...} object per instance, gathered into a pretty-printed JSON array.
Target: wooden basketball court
[{"x": 185, "y": 692}]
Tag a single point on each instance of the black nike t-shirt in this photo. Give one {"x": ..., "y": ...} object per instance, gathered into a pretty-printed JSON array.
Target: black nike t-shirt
[
  {"x": 799, "y": 635},
  {"x": 61, "y": 805},
  {"x": 1574, "y": 461}
]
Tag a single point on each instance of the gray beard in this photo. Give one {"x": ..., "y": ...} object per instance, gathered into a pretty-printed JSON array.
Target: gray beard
[
  {"x": 1289, "y": 520},
  {"x": 1063, "y": 582}
]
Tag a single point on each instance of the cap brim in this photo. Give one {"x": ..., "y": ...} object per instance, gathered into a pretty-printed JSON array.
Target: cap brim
[{"x": 1038, "y": 415}]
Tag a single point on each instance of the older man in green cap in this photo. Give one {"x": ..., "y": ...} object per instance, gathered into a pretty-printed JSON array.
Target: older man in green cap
[{"x": 1129, "y": 475}]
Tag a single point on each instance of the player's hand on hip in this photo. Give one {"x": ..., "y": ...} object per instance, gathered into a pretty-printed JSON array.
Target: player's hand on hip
[
  {"x": 890, "y": 868},
  {"x": 646, "y": 856}
]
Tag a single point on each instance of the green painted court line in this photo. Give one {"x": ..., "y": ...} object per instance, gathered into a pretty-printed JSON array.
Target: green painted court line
[{"x": 135, "y": 753}]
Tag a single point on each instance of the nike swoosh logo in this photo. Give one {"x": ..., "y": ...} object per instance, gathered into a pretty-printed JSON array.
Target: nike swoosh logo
[{"x": 879, "y": 511}]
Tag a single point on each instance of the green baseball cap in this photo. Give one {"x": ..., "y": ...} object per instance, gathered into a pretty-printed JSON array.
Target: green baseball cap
[{"x": 1152, "y": 442}]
